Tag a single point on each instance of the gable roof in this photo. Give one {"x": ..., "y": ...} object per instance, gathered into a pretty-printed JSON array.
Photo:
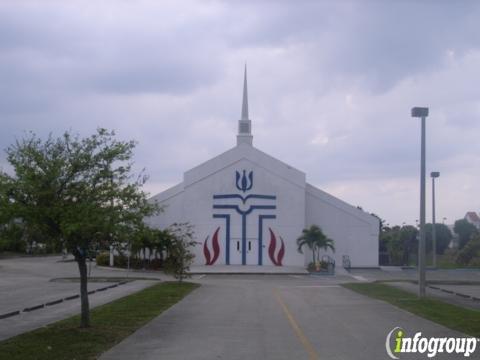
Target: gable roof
[
  {"x": 244, "y": 151},
  {"x": 343, "y": 206}
]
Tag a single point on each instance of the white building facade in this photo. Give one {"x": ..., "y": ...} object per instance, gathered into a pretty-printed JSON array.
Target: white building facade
[{"x": 248, "y": 208}]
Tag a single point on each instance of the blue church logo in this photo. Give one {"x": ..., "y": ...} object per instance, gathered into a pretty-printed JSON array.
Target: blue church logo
[
  {"x": 242, "y": 182},
  {"x": 258, "y": 205}
]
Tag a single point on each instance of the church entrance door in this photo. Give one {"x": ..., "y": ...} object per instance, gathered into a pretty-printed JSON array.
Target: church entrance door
[
  {"x": 235, "y": 251},
  {"x": 252, "y": 251}
]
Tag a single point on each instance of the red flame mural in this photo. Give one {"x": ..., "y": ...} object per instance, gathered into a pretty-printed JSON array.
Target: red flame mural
[
  {"x": 276, "y": 260},
  {"x": 209, "y": 259}
]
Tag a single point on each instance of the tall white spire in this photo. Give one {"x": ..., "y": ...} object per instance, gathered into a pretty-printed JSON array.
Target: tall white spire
[
  {"x": 245, "y": 124},
  {"x": 245, "y": 96}
]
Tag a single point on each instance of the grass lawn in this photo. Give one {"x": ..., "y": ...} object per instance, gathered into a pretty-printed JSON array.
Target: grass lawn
[
  {"x": 454, "y": 317},
  {"x": 447, "y": 261},
  {"x": 110, "y": 324}
]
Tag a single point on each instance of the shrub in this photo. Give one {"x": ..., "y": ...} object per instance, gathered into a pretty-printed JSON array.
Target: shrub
[
  {"x": 120, "y": 261},
  {"x": 312, "y": 267},
  {"x": 470, "y": 252},
  {"x": 155, "y": 264},
  {"x": 179, "y": 249},
  {"x": 475, "y": 262},
  {"x": 11, "y": 239},
  {"x": 103, "y": 259}
]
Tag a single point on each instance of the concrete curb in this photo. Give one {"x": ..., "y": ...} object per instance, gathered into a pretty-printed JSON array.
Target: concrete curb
[
  {"x": 7, "y": 315},
  {"x": 465, "y": 296},
  {"x": 58, "y": 301},
  {"x": 36, "y": 307}
]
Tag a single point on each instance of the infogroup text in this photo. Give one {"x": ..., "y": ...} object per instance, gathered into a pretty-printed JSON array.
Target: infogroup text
[{"x": 429, "y": 346}]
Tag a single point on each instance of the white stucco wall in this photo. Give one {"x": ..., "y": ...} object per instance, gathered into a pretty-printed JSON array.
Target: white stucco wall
[
  {"x": 355, "y": 232},
  {"x": 297, "y": 205},
  {"x": 171, "y": 202},
  {"x": 271, "y": 178}
]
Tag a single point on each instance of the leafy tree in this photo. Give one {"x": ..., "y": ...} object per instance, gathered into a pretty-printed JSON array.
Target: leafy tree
[
  {"x": 142, "y": 241},
  {"x": 5, "y": 187},
  {"x": 464, "y": 230},
  {"x": 393, "y": 243},
  {"x": 314, "y": 239},
  {"x": 78, "y": 193},
  {"x": 409, "y": 239},
  {"x": 11, "y": 237},
  {"x": 161, "y": 240},
  {"x": 443, "y": 236},
  {"x": 400, "y": 243},
  {"x": 156, "y": 241},
  {"x": 469, "y": 252},
  {"x": 179, "y": 243}
]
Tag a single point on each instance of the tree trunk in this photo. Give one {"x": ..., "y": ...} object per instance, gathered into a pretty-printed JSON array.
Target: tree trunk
[{"x": 85, "y": 316}]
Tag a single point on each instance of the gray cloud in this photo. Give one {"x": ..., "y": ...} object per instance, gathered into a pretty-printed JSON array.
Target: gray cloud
[{"x": 331, "y": 85}]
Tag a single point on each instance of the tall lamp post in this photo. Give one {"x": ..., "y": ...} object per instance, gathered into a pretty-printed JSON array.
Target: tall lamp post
[
  {"x": 421, "y": 112},
  {"x": 434, "y": 174}
]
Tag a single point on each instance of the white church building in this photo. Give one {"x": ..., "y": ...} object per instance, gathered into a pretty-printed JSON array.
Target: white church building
[{"x": 248, "y": 208}]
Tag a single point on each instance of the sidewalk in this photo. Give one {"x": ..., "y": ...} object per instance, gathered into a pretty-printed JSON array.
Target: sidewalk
[{"x": 247, "y": 269}]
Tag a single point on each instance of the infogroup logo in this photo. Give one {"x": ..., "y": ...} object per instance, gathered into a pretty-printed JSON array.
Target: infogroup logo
[{"x": 397, "y": 343}]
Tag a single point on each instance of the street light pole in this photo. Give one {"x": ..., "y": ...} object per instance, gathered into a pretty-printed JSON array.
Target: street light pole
[
  {"x": 421, "y": 112},
  {"x": 434, "y": 174}
]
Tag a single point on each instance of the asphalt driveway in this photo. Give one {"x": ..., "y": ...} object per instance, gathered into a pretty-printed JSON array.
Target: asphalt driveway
[{"x": 273, "y": 317}]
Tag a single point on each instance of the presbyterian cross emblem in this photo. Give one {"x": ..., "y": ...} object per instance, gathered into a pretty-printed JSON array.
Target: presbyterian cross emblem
[{"x": 244, "y": 206}]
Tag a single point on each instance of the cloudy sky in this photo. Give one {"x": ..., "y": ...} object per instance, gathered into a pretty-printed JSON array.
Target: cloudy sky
[{"x": 331, "y": 85}]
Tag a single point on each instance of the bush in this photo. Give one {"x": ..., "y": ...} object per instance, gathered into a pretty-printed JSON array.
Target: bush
[
  {"x": 7, "y": 244},
  {"x": 11, "y": 238},
  {"x": 475, "y": 262},
  {"x": 155, "y": 264},
  {"x": 179, "y": 250},
  {"x": 120, "y": 261},
  {"x": 470, "y": 252},
  {"x": 103, "y": 259},
  {"x": 312, "y": 267}
]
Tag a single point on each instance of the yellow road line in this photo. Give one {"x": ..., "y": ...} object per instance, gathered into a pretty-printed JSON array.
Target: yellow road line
[{"x": 312, "y": 353}]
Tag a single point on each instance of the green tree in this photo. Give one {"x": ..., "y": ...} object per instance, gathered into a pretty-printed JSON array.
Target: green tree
[
  {"x": 314, "y": 238},
  {"x": 442, "y": 234},
  {"x": 161, "y": 240},
  {"x": 143, "y": 241},
  {"x": 10, "y": 230},
  {"x": 470, "y": 252},
  {"x": 179, "y": 242},
  {"x": 393, "y": 243},
  {"x": 465, "y": 231},
  {"x": 156, "y": 241},
  {"x": 79, "y": 193},
  {"x": 409, "y": 239},
  {"x": 400, "y": 243}
]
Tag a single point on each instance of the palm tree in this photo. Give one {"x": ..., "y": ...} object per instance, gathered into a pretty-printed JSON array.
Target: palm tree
[
  {"x": 314, "y": 239},
  {"x": 325, "y": 243}
]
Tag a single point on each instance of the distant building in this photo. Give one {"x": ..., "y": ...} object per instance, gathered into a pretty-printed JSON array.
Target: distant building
[
  {"x": 473, "y": 218},
  {"x": 248, "y": 208}
]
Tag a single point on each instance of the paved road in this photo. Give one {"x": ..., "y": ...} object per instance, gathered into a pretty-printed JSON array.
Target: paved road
[
  {"x": 272, "y": 317},
  {"x": 26, "y": 282},
  {"x": 230, "y": 316}
]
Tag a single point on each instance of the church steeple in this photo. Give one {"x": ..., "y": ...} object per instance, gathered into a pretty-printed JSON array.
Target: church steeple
[
  {"x": 245, "y": 124},
  {"x": 245, "y": 96}
]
